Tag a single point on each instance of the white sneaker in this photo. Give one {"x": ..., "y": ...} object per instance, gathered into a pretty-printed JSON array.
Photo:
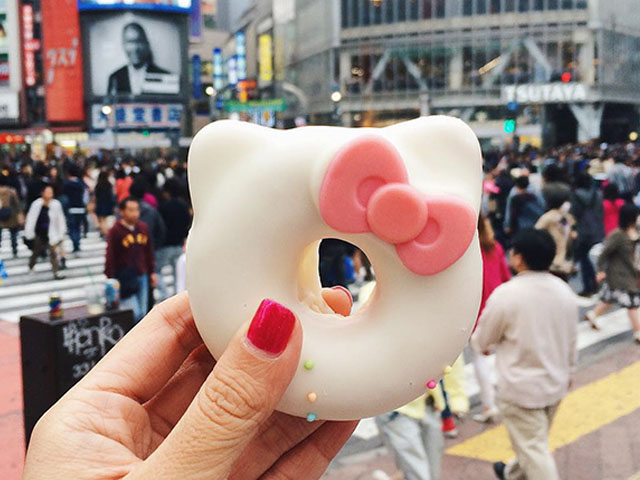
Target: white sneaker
[
  {"x": 486, "y": 416},
  {"x": 636, "y": 336}
]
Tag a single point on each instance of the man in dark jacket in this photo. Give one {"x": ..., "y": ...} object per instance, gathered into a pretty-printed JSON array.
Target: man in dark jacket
[
  {"x": 73, "y": 189},
  {"x": 130, "y": 258},
  {"x": 587, "y": 209}
]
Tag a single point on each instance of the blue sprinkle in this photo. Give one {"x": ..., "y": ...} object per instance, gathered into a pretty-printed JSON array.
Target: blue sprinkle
[{"x": 311, "y": 417}]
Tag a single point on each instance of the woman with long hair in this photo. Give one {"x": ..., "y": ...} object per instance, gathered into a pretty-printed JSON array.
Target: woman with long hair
[
  {"x": 105, "y": 201},
  {"x": 495, "y": 272}
]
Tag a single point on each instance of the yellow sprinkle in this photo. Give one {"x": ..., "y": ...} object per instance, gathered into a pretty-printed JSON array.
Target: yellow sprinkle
[
  {"x": 447, "y": 370},
  {"x": 312, "y": 397}
]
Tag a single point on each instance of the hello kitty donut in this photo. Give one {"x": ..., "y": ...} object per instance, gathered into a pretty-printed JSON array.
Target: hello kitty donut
[{"x": 407, "y": 195}]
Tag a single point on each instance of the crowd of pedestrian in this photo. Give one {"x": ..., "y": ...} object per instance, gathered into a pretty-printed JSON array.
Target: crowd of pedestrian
[{"x": 141, "y": 207}]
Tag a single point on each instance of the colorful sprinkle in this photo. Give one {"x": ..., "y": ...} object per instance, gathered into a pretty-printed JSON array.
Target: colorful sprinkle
[
  {"x": 431, "y": 384},
  {"x": 312, "y": 397},
  {"x": 309, "y": 364},
  {"x": 447, "y": 370},
  {"x": 311, "y": 417}
]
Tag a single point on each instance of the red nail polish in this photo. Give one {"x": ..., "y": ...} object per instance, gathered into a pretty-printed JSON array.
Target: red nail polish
[
  {"x": 271, "y": 327},
  {"x": 345, "y": 290}
]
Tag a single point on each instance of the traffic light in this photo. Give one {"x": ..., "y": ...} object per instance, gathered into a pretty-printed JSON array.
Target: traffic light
[{"x": 510, "y": 125}]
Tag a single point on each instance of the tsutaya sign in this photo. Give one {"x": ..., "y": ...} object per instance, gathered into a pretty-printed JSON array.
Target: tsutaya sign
[{"x": 546, "y": 93}]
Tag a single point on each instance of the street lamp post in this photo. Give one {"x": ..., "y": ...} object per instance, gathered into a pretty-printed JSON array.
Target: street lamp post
[{"x": 336, "y": 98}]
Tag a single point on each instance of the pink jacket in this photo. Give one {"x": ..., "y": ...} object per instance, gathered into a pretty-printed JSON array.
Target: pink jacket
[
  {"x": 495, "y": 272},
  {"x": 611, "y": 213}
]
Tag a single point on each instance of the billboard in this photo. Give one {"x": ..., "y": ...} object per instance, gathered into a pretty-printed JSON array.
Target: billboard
[
  {"x": 63, "y": 61},
  {"x": 133, "y": 54},
  {"x": 180, "y": 6},
  {"x": 133, "y": 116}
]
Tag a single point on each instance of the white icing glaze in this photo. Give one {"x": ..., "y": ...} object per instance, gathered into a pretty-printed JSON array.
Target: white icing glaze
[{"x": 255, "y": 235}]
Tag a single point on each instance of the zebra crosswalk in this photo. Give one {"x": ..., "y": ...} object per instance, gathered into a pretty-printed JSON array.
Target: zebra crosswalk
[{"x": 22, "y": 292}]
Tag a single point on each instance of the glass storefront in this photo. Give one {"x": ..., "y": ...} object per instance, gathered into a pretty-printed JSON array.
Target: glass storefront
[{"x": 363, "y": 13}]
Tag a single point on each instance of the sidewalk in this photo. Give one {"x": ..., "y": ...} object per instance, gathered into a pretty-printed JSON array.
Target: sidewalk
[{"x": 595, "y": 435}]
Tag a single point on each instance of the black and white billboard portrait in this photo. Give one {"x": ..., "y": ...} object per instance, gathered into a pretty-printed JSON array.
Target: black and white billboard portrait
[{"x": 134, "y": 54}]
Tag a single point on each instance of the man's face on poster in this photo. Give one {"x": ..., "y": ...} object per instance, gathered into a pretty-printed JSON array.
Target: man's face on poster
[{"x": 136, "y": 46}]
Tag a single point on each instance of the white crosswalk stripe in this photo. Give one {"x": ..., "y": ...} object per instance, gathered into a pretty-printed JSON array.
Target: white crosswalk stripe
[{"x": 23, "y": 293}]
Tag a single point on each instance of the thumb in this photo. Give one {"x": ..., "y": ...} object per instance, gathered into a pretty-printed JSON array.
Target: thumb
[{"x": 238, "y": 396}]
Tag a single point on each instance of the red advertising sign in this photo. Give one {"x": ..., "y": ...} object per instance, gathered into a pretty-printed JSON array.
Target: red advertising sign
[
  {"x": 30, "y": 46},
  {"x": 63, "y": 61}
]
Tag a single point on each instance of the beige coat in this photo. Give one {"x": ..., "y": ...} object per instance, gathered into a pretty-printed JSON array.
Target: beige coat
[{"x": 9, "y": 198}]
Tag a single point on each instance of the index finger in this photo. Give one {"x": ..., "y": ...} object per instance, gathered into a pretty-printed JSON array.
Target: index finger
[{"x": 140, "y": 364}]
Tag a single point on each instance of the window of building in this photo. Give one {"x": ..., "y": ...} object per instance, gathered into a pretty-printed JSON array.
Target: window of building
[
  {"x": 401, "y": 14},
  {"x": 354, "y": 21},
  {"x": 377, "y": 14},
  {"x": 414, "y": 7},
  {"x": 366, "y": 13},
  {"x": 439, "y": 9},
  {"x": 427, "y": 9},
  {"x": 495, "y": 6},
  {"x": 552, "y": 4},
  {"x": 523, "y": 5},
  {"x": 509, "y": 5},
  {"x": 344, "y": 13},
  {"x": 481, "y": 7},
  {"x": 537, "y": 5},
  {"x": 467, "y": 8},
  {"x": 388, "y": 13}
]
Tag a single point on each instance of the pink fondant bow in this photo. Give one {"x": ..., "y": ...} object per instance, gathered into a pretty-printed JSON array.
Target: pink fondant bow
[{"x": 366, "y": 189}]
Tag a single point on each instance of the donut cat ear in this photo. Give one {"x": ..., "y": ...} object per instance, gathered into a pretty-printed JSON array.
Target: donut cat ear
[{"x": 209, "y": 164}]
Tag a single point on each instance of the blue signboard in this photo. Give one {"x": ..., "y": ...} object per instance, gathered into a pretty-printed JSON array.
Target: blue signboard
[
  {"x": 179, "y": 6},
  {"x": 196, "y": 62}
]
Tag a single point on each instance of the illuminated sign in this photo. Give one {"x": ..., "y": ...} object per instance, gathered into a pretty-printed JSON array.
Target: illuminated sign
[
  {"x": 64, "y": 81},
  {"x": 181, "y": 6},
  {"x": 546, "y": 93},
  {"x": 241, "y": 55},
  {"x": 30, "y": 45},
  {"x": 137, "y": 116},
  {"x": 217, "y": 69},
  {"x": 265, "y": 56}
]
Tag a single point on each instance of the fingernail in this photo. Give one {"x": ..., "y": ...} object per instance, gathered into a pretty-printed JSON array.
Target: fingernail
[
  {"x": 271, "y": 327},
  {"x": 345, "y": 290}
]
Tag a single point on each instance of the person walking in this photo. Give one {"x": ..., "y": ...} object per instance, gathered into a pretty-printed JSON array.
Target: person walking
[
  {"x": 74, "y": 190},
  {"x": 524, "y": 207},
  {"x": 105, "y": 201},
  {"x": 45, "y": 227},
  {"x": 495, "y": 272},
  {"x": 559, "y": 223},
  {"x": 611, "y": 207},
  {"x": 130, "y": 259},
  {"x": 10, "y": 212},
  {"x": 617, "y": 269},
  {"x": 535, "y": 348},
  {"x": 177, "y": 219},
  {"x": 587, "y": 209}
]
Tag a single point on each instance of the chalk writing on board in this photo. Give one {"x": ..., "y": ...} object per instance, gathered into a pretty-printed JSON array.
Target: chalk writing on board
[{"x": 85, "y": 339}]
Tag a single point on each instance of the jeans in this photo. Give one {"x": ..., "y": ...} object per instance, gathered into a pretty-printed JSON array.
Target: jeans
[
  {"x": 166, "y": 256},
  {"x": 74, "y": 221},
  {"x": 14, "y": 239},
  {"x": 587, "y": 271},
  {"x": 138, "y": 302}
]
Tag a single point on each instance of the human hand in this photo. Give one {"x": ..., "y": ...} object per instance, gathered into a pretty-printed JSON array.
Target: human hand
[
  {"x": 600, "y": 277},
  {"x": 154, "y": 279},
  {"x": 158, "y": 406}
]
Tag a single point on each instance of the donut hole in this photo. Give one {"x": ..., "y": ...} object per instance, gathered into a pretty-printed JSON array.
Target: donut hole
[{"x": 341, "y": 263}]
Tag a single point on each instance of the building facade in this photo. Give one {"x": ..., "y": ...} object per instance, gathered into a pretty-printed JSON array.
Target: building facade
[{"x": 566, "y": 70}]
